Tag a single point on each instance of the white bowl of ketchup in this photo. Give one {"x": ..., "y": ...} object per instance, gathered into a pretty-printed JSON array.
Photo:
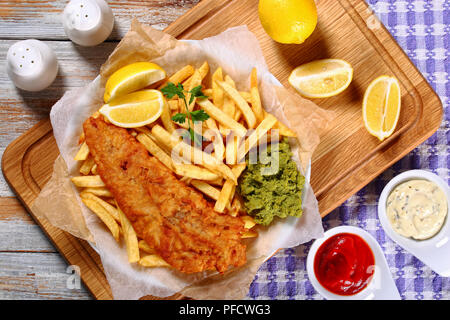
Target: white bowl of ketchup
[{"x": 348, "y": 264}]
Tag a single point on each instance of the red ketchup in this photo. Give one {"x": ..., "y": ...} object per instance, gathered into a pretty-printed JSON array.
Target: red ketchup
[{"x": 344, "y": 264}]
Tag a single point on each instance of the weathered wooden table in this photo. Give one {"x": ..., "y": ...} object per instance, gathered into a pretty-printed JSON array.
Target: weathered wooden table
[{"x": 30, "y": 267}]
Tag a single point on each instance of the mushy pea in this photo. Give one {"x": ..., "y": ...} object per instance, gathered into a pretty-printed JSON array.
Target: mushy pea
[{"x": 272, "y": 195}]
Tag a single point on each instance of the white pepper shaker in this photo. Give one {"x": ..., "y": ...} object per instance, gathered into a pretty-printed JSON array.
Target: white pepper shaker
[
  {"x": 31, "y": 65},
  {"x": 88, "y": 22}
]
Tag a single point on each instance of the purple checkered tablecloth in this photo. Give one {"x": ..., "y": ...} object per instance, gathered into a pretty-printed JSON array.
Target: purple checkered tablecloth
[{"x": 422, "y": 28}]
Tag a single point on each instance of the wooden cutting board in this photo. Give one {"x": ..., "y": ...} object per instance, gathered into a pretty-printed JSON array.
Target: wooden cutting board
[{"x": 347, "y": 158}]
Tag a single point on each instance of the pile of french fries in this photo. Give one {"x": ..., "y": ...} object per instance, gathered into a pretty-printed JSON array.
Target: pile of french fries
[{"x": 230, "y": 110}]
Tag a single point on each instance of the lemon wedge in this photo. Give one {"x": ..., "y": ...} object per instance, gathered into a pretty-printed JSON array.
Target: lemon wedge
[
  {"x": 132, "y": 77},
  {"x": 322, "y": 78},
  {"x": 381, "y": 106},
  {"x": 288, "y": 21},
  {"x": 135, "y": 109}
]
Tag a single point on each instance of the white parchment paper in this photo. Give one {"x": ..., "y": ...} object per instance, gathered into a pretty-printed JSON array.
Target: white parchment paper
[{"x": 237, "y": 51}]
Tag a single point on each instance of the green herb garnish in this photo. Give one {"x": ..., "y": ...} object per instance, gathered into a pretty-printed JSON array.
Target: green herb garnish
[{"x": 171, "y": 90}]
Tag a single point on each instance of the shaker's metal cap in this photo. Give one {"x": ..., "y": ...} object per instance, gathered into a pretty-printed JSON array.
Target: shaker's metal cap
[
  {"x": 31, "y": 65},
  {"x": 88, "y": 22}
]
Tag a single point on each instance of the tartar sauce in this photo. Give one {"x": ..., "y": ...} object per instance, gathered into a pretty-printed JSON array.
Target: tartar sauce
[{"x": 417, "y": 209}]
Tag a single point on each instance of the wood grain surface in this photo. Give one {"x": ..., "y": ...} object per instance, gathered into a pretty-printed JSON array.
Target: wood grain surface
[
  {"x": 30, "y": 266},
  {"x": 347, "y": 158}
]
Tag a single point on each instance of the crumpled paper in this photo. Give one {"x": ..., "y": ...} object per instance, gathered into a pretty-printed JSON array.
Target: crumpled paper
[{"x": 237, "y": 51}]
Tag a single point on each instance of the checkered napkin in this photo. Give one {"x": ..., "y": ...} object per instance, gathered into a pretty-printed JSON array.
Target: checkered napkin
[{"x": 422, "y": 28}]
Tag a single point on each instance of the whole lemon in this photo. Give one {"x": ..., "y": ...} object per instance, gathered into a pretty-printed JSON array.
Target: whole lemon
[{"x": 288, "y": 21}]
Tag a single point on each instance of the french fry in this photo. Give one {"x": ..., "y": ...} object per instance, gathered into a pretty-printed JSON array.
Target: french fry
[
  {"x": 238, "y": 169},
  {"x": 228, "y": 189},
  {"x": 238, "y": 115},
  {"x": 221, "y": 117},
  {"x": 206, "y": 188},
  {"x": 197, "y": 127},
  {"x": 284, "y": 130},
  {"x": 209, "y": 93},
  {"x": 179, "y": 76},
  {"x": 181, "y": 106},
  {"x": 101, "y": 192},
  {"x": 88, "y": 181},
  {"x": 82, "y": 138},
  {"x": 249, "y": 234},
  {"x": 195, "y": 172},
  {"x": 87, "y": 165},
  {"x": 186, "y": 180},
  {"x": 236, "y": 206},
  {"x": 249, "y": 222},
  {"x": 188, "y": 152},
  {"x": 253, "y": 139},
  {"x": 229, "y": 107},
  {"x": 144, "y": 129},
  {"x": 218, "y": 182},
  {"x": 240, "y": 102},
  {"x": 216, "y": 138},
  {"x": 231, "y": 149},
  {"x": 83, "y": 153},
  {"x": 155, "y": 150},
  {"x": 196, "y": 80},
  {"x": 183, "y": 125},
  {"x": 107, "y": 219},
  {"x": 211, "y": 124},
  {"x": 111, "y": 201},
  {"x": 166, "y": 117},
  {"x": 256, "y": 99},
  {"x": 130, "y": 237},
  {"x": 217, "y": 92},
  {"x": 143, "y": 245},
  {"x": 112, "y": 211},
  {"x": 203, "y": 71},
  {"x": 224, "y": 196},
  {"x": 153, "y": 261},
  {"x": 94, "y": 170},
  {"x": 173, "y": 105},
  {"x": 228, "y": 103},
  {"x": 247, "y": 96}
]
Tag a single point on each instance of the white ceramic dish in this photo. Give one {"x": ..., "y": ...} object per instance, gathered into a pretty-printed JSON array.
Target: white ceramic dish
[
  {"x": 31, "y": 65},
  {"x": 88, "y": 22},
  {"x": 381, "y": 286},
  {"x": 434, "y": 252}
]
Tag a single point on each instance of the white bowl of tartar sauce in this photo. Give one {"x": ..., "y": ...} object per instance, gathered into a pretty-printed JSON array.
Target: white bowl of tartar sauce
[{"x": 413, "y": 209}]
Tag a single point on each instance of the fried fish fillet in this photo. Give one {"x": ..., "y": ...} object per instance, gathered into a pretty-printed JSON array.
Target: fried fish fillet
[{"x": 170, "y": 216}]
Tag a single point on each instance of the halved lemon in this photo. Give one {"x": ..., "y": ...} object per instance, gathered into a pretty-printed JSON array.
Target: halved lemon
[
  {"x": 381, "y": 106},
  {"x": 322, "y": 78},
  {"x": 132, "y": 77},
  {"x": 135, "y": 109}
]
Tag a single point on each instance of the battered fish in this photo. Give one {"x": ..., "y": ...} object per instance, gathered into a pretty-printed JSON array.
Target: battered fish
[{"x": 170, "y": 216}]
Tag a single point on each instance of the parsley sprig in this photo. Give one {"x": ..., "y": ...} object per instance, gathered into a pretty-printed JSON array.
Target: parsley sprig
[{"x": 171, "y": 90}]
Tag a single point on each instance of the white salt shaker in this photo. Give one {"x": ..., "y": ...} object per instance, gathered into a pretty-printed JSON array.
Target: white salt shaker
[
  {"x": 31, "y": 65},
  {"x": 88, "y": 22}
]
